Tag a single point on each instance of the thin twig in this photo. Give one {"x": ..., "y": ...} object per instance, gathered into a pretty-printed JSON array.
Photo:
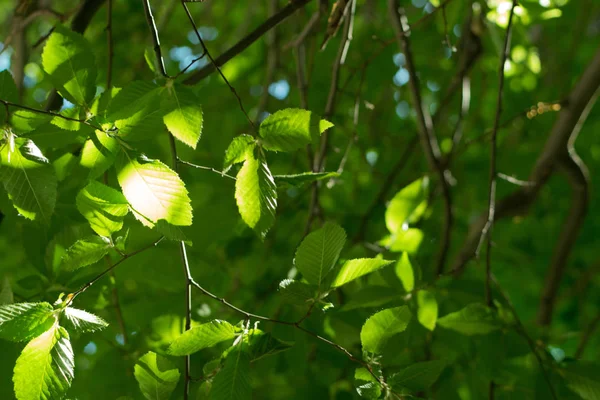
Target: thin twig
[
  {"x": 109, "y": 38},
  {"x": 52, "y": 113},
  {"x": 189, "y": 164},
  {"x": 155, "y": 39}
]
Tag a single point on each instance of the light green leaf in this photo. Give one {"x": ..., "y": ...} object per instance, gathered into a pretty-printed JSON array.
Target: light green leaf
[
  {"x": 299, "y": 180},
  {"x": 353, "y": 269},
  {"x": 85, "y": 252},
  {"x": 474, "y": 319},
  {"x": 239, "y": 148},
  {"x": 297, "y": 292},
  {"x": 135, "y": 111},
  {"x": 182, "y": 113},
  {"x": 8, "y": 92},
  {"x": 367, "y": 385},
  {"x": 427, "y": 311},
  {"x": 407, "y": 206},
  {"x": 290, "y": 129},
  {"x": 417, "y": 377},
  {"x": 66, "y": 124},
  {"x": 201, "y": 337},
  {"x": 583, "y": 377},
  {"x": 382, "y": 326},
  {"x": 69, "y": 61},
  {"x": 319, "y": 251},
  {"x": 24, "y": 321},
  {"x": 103, "y": 207},
  {"x": 256, "y": 194},
  {"x": 27, "y": 121},
  {"x": 45, "y": 368},
  {"x": 29, "y": 180},
  {"x": 408, "y": 240},
  {"x": 83, "y": 321},
  {"x": 99, "y": 153},
  {"x": 154, "y": 190},
  {"x": 405, "y": 272},
  {"x": 156, "y": 376},
  {"x": 233, "y": 381},
  {"x": 259, "y": 344}
]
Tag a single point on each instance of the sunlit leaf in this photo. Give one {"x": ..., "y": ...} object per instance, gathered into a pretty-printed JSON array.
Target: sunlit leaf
[
  {"x": 367, "y": 386},
  {"x": 103, "y": 207},
  {"x": 407, "y": 206},
  {"x": 45, "y": 368},
  {"x": 99, "y": 153},
  {"x": 201, "y": 337},
  {"x": 85, "y": 252},
  {"x": 156, "y": 376},
  {"x": 24, "y": 321},
  {"x": 71, "y": 66},
  {"x": 319, "y": 251},
  {"x": 404, "y": 240},
  {"x": 380, "y": 327},
  {"x": 427, "y": 311},
  {"x": 239, "y": 148},
  {"x": 83, "y": 321},
  {"x": 405, "y": 272},
  {"x": 182, "y": 113},
  {"x": 290, "y": 129},
  {"x": 353, "y": 269}
]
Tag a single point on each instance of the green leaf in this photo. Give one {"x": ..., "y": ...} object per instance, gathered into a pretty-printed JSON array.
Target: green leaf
[
  {"x": 427, "y": 311},
  {"x": 29, "y": 180},
  {"x": 371, "y": 296},
  {"x": 69, "y": 61},
  {"x": 135, "y": 111},
  {"x": 239, "y": 148},
  {"x": 474, "y": 319},
  {"x": 259, "y": 344},
  {"x": 154, "y": 190},
  {"x": 85, "y": 252},
  {"x": 408, "y": 240},
  {"x": 319, "y": 251},
  {"x": 201, "y": 337},
  {"x": 69, "y": 125},
  {"x": 233, "y": 381},
  {"x": 156, "y": 376},
  {"x": 182, "y": 113},
  {"x": 48, "y": 135},
  {"x": 407, "y": 206},
  {"x": 169, "y": 231},
  {"x": 24, "y": 321},
  {"x": 353, "y": 269},
  {"x": 45, "y": 368},
  {"x": 583, "y": 378},
  {"x": 256, "y": 194},
  {"x": 99, "y": 153},
  {"x": 8, "y": 92},
  {"x": 6, "y": 293},
  {"x": 83, "y": 321},
  {"x": 290, "y": 129},
  {"x": 297, "y": 292},
  {"x": 417, "y": 377},
  {"x": 299, "y": 180},
  {"x": 405, "y": 272},
  {"x": 382, "y": 326},
  {"x": 103, "y": 207},
  {"x": 367, "y": 385}
]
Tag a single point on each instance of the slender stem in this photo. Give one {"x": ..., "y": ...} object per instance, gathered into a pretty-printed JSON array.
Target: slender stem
[
  {"x": 109, "y": 38},
  {"x": 155, "y": 39},
  {"x": 189, "y": 164},
  {"x": 52, "y": 113}
]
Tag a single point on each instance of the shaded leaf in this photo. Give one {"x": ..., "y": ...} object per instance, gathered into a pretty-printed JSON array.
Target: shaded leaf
[
  {"x": 8, "y": 92},
  {"x": 353, "y": 269},
  {"x": 201, "y": 337},
  {"x": 182, "y": 113},
  {"x": 156, "y": 376},
  {"x": 239, "y": 148},
  {"x": 583, "y": 378},
  {"x": 85, "y": 252},
  {"x": 290, "y": 129},
  {"x": 382, "y": 326},
  {"x": 103, "y": 207},
  {"x": 299, "y": 180},
  {"x": 371, "y": 296},
  {"x": 83, "y": 321},
  {"x": 296, "y": 292},
  {"x": 24, "y": 321},
  {"x": 233, "y": 381},
  {"x": 319, "y": 251},
  {"x": 417, "y": 377},
  {"x": 427, "y": 310},
  {"x": 474, "y": 319}
]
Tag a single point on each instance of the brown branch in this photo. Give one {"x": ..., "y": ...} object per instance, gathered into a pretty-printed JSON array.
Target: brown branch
[
  {"x": 427, "y": 136},
  {"x": 570, "y": 118},
  {"x": 252, "y": 37}
]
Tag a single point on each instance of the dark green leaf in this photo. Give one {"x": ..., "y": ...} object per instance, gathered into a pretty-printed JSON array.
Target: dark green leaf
[
  {"x": 319, "y": 251},
  {"x": 233, "y": 381},
  {"x": 474, "y": 319},
  {"x": 417, "y": 377},
  {"x": 299, "y": 180},
  {"x": 156, "y": 376},
  {"x": 8, "y": 92},
  {"x": 297, "y": 292}
]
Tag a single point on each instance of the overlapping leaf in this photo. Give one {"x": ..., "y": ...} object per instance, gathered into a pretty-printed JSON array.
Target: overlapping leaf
[
  {"x": 24, "y": 321},
  {"x": 85, "y": 252},
  {"x": 239, "y": 148},
  {"x": 299, "y": 180},
  {"x": 156, "y": 376},
  {"x": 427, "y": 311},
  {"x": 99, "y": 153},
  {"x": 103, "y": 207},
  {"x": 182, "y": 113},
  {"x": 290, "y": 129},
  {"x": 353, "y": 269},
  {"x": 297, "y": 292}
]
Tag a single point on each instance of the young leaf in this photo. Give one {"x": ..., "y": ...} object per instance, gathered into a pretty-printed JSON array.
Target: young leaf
[
  {"x": 239, "y": 148},
  {"x": 135, "y": 110},
  {"x": 201, "y": 337},
  {"x": 233, "y": 381},
  {"x": 24, "y": 321},
  {"x": 182, "y": 113},
  {"x": 382, "y": 326},
  {"x": 103, "y": 207},
  {"x": 427, "y": 311},
  {"x": 353, "y": 269},
  {"x": 317, "y": 254},
  {"x": 256, "y": 194},
  {"x": 474, "y": 319},
  {"x": 299, "y": 180},
  {"x": 297, "y": 292},
  {"x": 29, "y": 180},
  {"x": 70, "y": 63},
  {"x": 290, "y": 129},
  {"x": 153, "y": 190},
  {"x": 156, "y": 376},
  {"x": 83, "y": 321},
  {"x": 417, "y": 377},
  {"x": 407, "y": 206},
  {"x": 45, "y": 368},
  {"x": 99, "y": 153},
  {"x": 405, "y": 272},
  {"x": 85, "y": 252},
  {"x": 8, "y": 92}
]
